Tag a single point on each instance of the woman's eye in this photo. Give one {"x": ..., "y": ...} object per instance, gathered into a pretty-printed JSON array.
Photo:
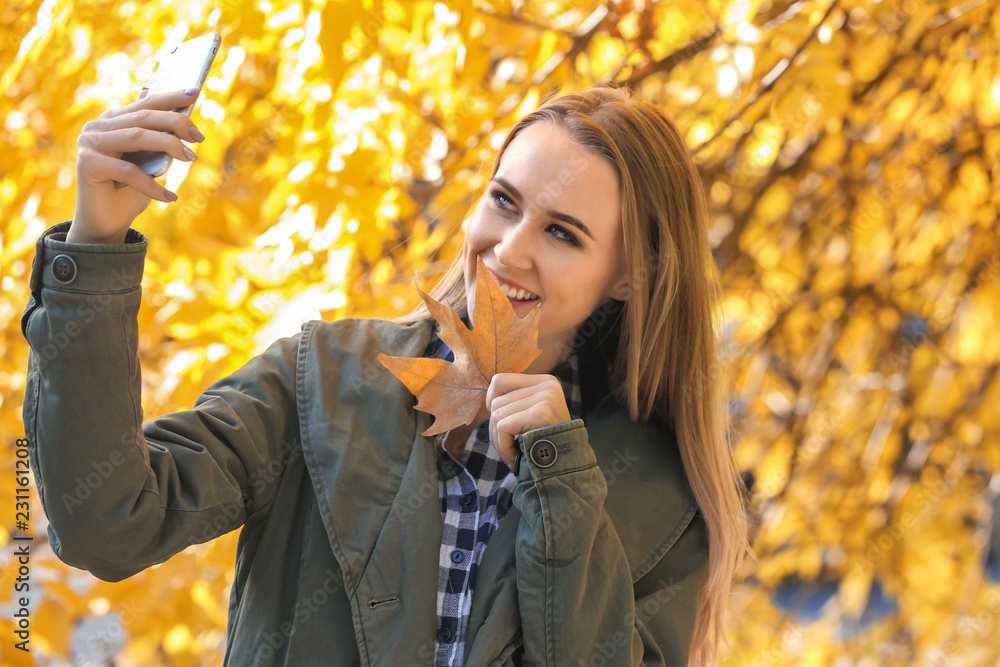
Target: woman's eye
[
  {"x": 502, "y": 200},
  {"x": 561, "y": 234}
]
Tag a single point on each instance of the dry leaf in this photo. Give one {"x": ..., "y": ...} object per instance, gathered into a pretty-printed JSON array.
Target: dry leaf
[{"x": 501, "y": 342}]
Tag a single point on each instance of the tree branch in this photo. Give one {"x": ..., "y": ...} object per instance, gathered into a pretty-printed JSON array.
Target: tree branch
[{"x": 770, "y": 84}]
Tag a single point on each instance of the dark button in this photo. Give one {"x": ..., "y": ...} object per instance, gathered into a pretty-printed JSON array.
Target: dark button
[
  {"x": 457, "y": 556},
  {"x": 543, "y": 453},
  {"x": 444, "y": 635},
  {"x": 64, "y": 269},
  {"x": 467, "y": 499}
]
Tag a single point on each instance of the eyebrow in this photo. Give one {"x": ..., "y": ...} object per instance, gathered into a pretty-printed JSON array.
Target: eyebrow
[{"x": 564, "y": 217}]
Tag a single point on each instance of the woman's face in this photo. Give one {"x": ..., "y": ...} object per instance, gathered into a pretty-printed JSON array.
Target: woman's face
[{"x": 550, "y": 224}]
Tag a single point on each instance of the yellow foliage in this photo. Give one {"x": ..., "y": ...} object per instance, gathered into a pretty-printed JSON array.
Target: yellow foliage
[{"x": 852, "y": 153}]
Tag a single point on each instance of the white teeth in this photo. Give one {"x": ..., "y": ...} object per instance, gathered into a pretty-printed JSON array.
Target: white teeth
[{"x": 519, "y": 294}]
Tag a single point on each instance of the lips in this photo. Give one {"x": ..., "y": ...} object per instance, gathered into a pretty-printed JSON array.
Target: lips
[
  {"x": 514, "y": 291},
  {"x": 518, "y": 295}
]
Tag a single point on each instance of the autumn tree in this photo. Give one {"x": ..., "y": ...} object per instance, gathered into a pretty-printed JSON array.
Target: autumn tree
[{"x": 850, "y": 152}]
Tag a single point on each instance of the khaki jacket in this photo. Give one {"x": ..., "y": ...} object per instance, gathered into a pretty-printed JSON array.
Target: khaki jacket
[{"x": 313, "y": 448}]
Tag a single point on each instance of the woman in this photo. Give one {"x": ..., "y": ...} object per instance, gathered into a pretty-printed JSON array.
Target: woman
[{"x": 590, "y": 519}]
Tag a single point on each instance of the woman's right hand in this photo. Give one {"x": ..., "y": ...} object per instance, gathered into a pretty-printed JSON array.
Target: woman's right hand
[{"x": 105, "y": 213}]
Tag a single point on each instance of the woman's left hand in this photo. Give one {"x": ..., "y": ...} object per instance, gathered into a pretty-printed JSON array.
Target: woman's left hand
[{"x": 519, "y": 403}]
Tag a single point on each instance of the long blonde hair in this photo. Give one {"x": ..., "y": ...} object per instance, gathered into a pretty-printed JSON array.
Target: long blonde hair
[{"x": 667, "y": 361}]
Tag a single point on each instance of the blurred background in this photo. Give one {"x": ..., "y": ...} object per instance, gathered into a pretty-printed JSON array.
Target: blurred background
[{"x": 850, "y": 151}]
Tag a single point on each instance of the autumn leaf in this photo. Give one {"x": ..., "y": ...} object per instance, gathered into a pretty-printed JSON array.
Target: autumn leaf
[{"x": 500, "y": 342}]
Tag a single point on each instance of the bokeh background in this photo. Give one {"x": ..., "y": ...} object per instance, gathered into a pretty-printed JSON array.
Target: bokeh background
[{"x": 850, "y": 151}]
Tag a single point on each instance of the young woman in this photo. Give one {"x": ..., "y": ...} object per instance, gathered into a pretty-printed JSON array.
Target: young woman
[{"x": 589, "y": 514}]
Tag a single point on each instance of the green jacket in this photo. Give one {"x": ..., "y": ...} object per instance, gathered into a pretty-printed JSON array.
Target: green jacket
[{"x": 313, "y": 448}]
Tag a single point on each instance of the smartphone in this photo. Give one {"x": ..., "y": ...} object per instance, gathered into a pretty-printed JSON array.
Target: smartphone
[{"x": 185, "y": 67}]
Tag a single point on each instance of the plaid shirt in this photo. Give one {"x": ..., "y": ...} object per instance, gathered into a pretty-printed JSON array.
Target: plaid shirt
[{"x": 475, "y": 493}]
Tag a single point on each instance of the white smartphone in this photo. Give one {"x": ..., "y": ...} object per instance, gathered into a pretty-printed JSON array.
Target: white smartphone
[{"x": 185, "y": 67}]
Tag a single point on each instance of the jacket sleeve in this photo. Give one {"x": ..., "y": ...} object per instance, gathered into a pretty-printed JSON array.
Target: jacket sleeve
[
  {"x": 119, "y": 495},
  {"x": 576, "y": 593}
]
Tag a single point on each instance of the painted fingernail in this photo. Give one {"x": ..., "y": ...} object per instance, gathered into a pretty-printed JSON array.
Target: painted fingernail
[
  {"x": 171, "y": 196},
  {"x": 189, "y": 154},
  {"x": 192, "y": 91},
  {"x": 196, "y": 135}
]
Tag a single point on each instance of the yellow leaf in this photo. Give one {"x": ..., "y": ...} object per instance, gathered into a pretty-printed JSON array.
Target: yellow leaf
[{"x": 500, "y": 342}]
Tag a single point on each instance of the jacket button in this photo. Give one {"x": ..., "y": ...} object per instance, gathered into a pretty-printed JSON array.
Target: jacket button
[
  {"x": 543, "y": 453},
  {"x": 444, "y": 635},
  {"x": 64, "y": 269}
]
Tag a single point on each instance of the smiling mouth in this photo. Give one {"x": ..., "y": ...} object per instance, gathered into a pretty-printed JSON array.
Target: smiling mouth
[{"x": 515, "y": 294}]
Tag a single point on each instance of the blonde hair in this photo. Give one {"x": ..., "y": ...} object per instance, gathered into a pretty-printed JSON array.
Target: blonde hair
[{"x": 667, "y": 363}]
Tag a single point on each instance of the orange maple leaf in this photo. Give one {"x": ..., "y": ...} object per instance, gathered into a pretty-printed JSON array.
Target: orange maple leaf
[{"x": 501, "y": 342}]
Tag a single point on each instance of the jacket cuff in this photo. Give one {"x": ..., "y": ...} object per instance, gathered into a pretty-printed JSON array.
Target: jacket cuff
[
  {"x": 553, "y": 450},
  {"x": 90, "y": 268}
]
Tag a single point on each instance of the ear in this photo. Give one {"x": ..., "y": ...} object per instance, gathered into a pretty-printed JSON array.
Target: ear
[{"x": 621, "y": 288}]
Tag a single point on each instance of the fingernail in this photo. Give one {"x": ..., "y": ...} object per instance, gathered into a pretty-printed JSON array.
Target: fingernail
[
  {"x": 192, "y": 91},
  {"x": 196, "y": 135},
  {"x": 189, "y": 153},
  {"x": 172, "y": 196}
]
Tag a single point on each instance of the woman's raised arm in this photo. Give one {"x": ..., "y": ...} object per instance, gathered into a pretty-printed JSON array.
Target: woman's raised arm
[{"x": 121, "y": 495}]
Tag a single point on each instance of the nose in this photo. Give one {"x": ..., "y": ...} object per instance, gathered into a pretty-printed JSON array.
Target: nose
[{"x": 515, "y": 249}]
